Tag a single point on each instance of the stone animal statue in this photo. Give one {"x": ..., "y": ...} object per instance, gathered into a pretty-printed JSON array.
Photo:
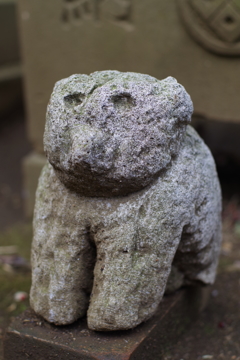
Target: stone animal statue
[{"x": 130, "y": 192}]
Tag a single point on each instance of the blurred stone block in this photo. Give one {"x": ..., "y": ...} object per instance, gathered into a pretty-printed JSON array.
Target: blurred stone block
[
  {"x": 63, "y": 37},
  {"x": 8, "y": 33},
  {"x": 10, "y": 90},
  {"x": 30, "y": 336},
  {"x": 32, "y": 166},
  {"x": 10, "y": 67}
]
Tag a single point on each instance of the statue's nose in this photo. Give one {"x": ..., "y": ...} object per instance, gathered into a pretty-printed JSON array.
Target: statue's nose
[
  {"x": 81, "y": 146},
  {"x": 82, "y": 139}
]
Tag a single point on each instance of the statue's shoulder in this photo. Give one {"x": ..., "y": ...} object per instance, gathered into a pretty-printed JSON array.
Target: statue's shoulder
[
  {"x": 48, "y": 179},
  {"x": 194, "y": 146}
]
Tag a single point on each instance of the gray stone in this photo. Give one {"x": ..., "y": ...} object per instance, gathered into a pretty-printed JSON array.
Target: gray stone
[
  {"x": 112, "y": 133},
  {"x": 129, "y": 190}
]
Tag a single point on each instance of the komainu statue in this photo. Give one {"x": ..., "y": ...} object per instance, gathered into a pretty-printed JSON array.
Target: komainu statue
[{"x": 130, "y": 192}]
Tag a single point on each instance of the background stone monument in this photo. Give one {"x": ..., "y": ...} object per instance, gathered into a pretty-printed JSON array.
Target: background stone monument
[{"x": 62, "y": 37}]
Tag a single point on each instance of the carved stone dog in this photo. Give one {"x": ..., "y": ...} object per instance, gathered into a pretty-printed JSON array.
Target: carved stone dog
[{"x": 130, "y": 190}]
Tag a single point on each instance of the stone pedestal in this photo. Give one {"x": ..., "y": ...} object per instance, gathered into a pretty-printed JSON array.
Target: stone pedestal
[{"x": 30, "y": 337}]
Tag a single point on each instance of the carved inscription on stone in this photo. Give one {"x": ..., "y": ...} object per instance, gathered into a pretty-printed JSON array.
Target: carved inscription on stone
[
  {"x": 74, "y": 11},
  {"x": 214, "y": 23},
  {"x": 116, "y": 11}
]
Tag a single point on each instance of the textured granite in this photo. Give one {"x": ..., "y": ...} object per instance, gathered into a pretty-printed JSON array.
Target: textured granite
[
  {"x": 129, "y": 190},
  {"x": 112, "y": 133}
]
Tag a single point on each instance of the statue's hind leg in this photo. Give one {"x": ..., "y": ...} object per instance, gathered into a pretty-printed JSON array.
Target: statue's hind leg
[{"x": 198, "y": 252}]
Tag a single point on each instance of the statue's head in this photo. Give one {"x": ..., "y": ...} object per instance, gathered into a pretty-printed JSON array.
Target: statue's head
[{"x": 112, "y": 133}]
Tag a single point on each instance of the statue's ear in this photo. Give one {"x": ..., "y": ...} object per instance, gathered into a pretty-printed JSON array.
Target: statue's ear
[{"x": 182, "y": 106}]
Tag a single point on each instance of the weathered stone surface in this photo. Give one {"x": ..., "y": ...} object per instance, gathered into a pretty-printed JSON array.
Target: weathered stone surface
[
  {"x": 112, "y": 133},
  {"x": 120, "y": 248}
]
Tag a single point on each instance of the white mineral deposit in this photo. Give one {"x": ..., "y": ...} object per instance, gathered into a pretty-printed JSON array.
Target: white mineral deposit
[{"x": 130, "y": 192}]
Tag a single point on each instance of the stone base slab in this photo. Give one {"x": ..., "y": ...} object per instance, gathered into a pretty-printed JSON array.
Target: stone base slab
[{"x": 31, "y": 337}]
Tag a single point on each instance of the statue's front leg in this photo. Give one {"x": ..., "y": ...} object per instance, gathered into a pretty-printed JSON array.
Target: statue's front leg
[
  {"x": 63, "y": 255},
  {"x": 133, "y": 264}
]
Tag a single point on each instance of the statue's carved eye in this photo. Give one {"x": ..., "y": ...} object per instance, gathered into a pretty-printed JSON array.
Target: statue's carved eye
[
  {"x": 124, "y": 99},
  {"x": 74, "y": 99}
]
